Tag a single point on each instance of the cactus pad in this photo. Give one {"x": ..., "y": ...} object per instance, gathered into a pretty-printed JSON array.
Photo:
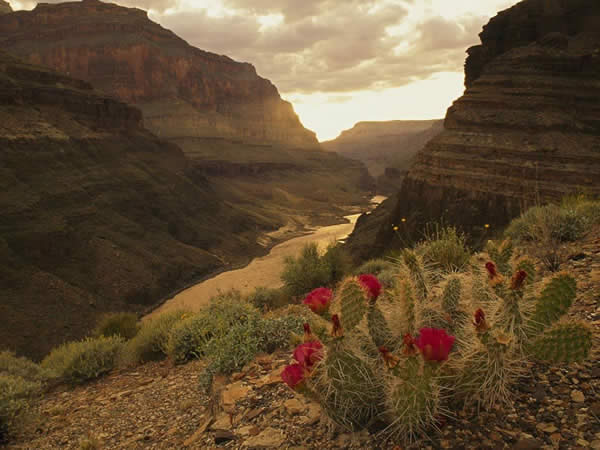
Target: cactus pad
[{"x": 565, "y": 342}]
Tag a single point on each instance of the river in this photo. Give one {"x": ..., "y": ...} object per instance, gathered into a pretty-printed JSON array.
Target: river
[{"x": 262, "y": 271}]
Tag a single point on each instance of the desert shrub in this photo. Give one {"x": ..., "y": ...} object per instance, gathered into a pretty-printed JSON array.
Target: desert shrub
[
  {"x": 561, "y": 223},
  {"x": 152, "y": 340},
  {"x": 15, "y": 397},
  {"x": 77, "y": 362},
  {"x": 266, "y": 299},
  {"x": 121, "y": 324},
  {"x": 304, "y": 273},
  {"x": 445, "y": 247},
  {"x": 375, "y": 266},
  {"x": 10, "y": 364},
  {"x": 337, "y": 262},
  {"x": 245, "y": 340},
  {"x": 311, "y": 270},
  {"x": 188, "y": 338}
]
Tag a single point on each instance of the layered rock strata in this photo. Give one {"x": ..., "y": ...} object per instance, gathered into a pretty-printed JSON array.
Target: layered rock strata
[
  {"x": 527, "y": 129},
  {"x": 183, "y": 91}
]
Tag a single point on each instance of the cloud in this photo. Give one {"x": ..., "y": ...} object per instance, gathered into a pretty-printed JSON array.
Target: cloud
[{"x": 332, "y": 46}]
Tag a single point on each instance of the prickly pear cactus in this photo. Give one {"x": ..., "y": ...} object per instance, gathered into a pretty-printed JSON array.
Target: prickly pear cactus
[
  {"x": 555, "y": 300},
  {"x": 354, "y": 303},
  {"x": 564, "y": 342}
]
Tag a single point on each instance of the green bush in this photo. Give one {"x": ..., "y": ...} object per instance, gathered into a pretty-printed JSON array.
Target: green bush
[
  {"x": 188, "y": 339},
  {"x": 310, "y": 270},
  {"x": 152, "y": 340},
  {"x": 10, "y": 364},
  {"x": 245, "y": 340},
  {"x": 77, "y": 362},
  {"x": 566, "y": 222},
  {"x": 375, "y": 267},
  {"x": 121, "y": 324},
  {"x": 445, "y": 247},
  {"x": 15, "y": 397},
  {"x": 265, "y": 299}
]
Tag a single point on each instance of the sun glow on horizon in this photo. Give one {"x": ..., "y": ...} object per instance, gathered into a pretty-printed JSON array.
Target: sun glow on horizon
[{"x": 328, "y": 115}]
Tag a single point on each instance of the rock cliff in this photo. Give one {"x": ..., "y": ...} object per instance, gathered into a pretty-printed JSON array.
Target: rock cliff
[
  {"x": 183, "y": 91},
  {"x": 526, "y": 130},
  {"x": 5, "y": 7},
  {"x": 98, "y": 214}
]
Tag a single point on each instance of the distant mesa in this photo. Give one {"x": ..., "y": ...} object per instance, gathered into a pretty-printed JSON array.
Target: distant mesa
[{"x": 183, "y": 92}]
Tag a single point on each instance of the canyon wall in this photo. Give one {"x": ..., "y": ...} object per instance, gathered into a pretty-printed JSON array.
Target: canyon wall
[{"x": 183, "y": 91}]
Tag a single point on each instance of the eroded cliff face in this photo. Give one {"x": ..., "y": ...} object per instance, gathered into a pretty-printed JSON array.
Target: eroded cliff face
[
  {"x": 98, "y": 214},
  {"x": 527, "y": 129},
  {"x": 183, "y": 91}
]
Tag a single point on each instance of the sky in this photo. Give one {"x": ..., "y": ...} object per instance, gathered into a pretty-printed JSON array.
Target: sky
[{"x": 338, "y": 61}]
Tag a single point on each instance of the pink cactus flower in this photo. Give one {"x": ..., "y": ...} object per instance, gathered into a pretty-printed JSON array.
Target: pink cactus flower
[
  {"x": 318, "y": 300},
  {"x": 308, "y": 354},
  {"x": 371, "y": 284},
  {"x": 293, "y": 375},
  {"x": 518, "y": 279},
  {"x": 494, "y": 277},
  {"x": 435, "y": 344}
]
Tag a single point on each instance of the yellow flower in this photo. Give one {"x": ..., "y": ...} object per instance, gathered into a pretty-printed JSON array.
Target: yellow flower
[
  {"x": 395, "y": 228},
  {"x": 403, "y": 219},
  {"x": 487, "y": 225}
]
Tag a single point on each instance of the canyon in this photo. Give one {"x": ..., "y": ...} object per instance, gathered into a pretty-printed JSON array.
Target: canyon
[
  {"x": 386, "y": 148},
  {"x": 526, "y": 131}
]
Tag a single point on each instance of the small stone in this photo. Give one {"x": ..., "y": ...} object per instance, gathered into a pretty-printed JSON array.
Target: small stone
[
  {"x": 233, "y": 393},
  {"x": 527, "y": 444},
  {"x": 268, "y": 438},
  {"x": 312, "y": 416},
  {"x": 577, "y": 396},
  {"x": 223, "y": 422},
  {"x": 224, "y": 436},
  {"x": 546, "y": 427},
  {"x": 294, "y": 406},
  {"x": 595, "y": 445}
]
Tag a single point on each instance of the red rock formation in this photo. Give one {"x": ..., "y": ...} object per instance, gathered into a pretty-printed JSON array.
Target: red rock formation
[
  {"x": 183, "y": 91},
  {"x": 527, "y": 129}
]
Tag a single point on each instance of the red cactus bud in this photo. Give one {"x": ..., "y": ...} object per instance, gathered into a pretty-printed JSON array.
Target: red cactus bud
[
  {"x": 391, "y": 361},
  {"x": 308, "y": 336},
  {"x": 480, "y": 323},
  {"x": 410, "y": 347},
  {"x": 337, "y": 326},
  {"x": 491, "y": 268},
  {"x": 371, "y": 284},
  {"x": 518, "y": 279}
]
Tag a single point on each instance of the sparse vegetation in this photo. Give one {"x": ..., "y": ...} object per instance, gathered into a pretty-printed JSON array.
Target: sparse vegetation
[
  {"x": 311, "y": 269},
  {"x": 121, "y": 324},
  {"x": 77, "y": 362},
  {"x": 266, "y": 299},
  {"x": 151, "y": 343},
  {"x": 15, "y": 397},
  {"x": 445, "y": 247},
  {"x": 10, "y": 364}
]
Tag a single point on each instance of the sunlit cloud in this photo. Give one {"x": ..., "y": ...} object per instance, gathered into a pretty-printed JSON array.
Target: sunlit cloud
[{"x": 357, "y": 59}]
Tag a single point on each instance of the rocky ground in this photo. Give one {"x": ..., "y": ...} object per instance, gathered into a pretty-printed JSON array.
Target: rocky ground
[{"x": 157, "y": 406}]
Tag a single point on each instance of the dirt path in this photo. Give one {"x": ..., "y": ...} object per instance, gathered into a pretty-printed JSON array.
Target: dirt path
[{"x": 263, "y": 271}]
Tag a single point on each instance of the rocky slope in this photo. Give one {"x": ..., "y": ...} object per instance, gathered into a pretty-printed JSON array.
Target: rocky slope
[
  {"x": 526, "y": 130},
  {"x": 184, "y": 92},
  {"x": 97, "y": 213},
  {"x": 382, "y": 145},
  {"x": 157, "y": 406}
]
